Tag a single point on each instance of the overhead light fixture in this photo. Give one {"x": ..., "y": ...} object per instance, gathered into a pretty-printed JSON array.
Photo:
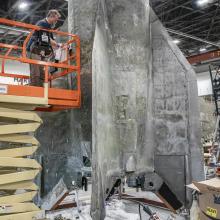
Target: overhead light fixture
[
  {"x": 202, "y": 49},
  {"x": 176, "y": 41},
  {"x": 23, "y": 5},
  {"x": 202, "y": 2}
]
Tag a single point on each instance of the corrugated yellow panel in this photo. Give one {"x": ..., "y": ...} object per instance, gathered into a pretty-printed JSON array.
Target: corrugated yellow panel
[
  {"x": 17, "y": 138},
  {"x": 18, "y": 176},
  {"x": 24, "y": 216},
  {"x": 17, "y": 208},
  {"x": 19, "y": 198},
  {"x": 23, "y": 100},
  {"x": 17, "y": 114},
  {"x": 19, "y": 162},
  {"x": 18, "y": 152},
  {"x": 18, "y": 128},
  {"x": 8, "y": 170},
  {"x": 26, "y": 185},
  {"x": 17, "y": 172}
]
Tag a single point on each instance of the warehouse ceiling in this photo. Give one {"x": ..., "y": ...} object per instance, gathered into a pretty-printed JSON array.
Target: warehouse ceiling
[
  {"x": 198, "y": 18},
  {"x": 194, "y": 18},
  {"x": 34, "y": 11}
]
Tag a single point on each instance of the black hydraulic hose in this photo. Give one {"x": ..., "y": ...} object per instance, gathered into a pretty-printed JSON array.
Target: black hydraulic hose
[
  {"x": 140, "y": 212},
  {"x": 145, "y": 207}
]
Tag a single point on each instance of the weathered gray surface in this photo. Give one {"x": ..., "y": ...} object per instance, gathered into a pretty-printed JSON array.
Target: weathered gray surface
[
  {"x": 145, "y": 110},
  {"x": 176, "y": 113},
  {"x": 144, "y": 98},
  {"x": 60, "y": 137},
  {"x": 121, "y": 95},
  {"x": 81, "y": 17},
  {"x": 207, "y": 119},
  {"x": 64, "y": 133}
]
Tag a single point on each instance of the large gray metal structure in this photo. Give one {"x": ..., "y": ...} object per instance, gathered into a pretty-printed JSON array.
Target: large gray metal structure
[{"x": 145, "y": 107}]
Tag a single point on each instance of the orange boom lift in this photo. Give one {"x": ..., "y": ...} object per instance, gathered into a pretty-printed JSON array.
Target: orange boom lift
[{"x": 44, "y": 98}]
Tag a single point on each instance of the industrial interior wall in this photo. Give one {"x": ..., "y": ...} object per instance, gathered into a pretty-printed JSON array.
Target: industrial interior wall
[
  {"x": 177, "y": 136},
  {"x": 60, "y": 154},
  {"x": 64, "y": 135},
  {"x": 64, "y": 138}
]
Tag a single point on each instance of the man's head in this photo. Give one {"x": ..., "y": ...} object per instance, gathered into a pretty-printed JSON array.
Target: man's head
[{"x": 53, "y": 16}]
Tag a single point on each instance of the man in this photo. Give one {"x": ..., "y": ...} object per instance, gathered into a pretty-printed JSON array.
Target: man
[{"x": 37, "y": 71}]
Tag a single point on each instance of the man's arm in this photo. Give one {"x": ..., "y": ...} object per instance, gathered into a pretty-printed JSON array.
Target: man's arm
[{"x": 54, "y": 43}]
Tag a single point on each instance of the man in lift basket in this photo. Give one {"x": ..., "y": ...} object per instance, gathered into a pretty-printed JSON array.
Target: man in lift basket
[{"x": 41, "y": 46}]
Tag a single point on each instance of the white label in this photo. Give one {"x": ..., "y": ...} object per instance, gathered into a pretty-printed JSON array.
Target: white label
[
  {"x": 2, "y": 209},
  {"x": 45, "y": 38},
  {"x": 3, "y": 89}
]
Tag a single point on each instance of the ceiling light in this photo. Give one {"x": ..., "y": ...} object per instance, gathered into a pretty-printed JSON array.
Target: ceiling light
[
  {"x": 176, "y": 41},
  {"x": 23, "y": 5},
  {"x": 202, "y": 2},
  {"x": 202, "y": 49}
]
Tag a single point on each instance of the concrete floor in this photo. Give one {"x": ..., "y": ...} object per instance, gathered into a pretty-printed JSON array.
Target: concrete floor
[{"x": 115, "y": 209}]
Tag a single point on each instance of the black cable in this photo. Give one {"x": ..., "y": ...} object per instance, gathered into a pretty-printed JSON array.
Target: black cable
[
  {"x": 145, "y": 207},
  {"x": 140, "y": 212}
]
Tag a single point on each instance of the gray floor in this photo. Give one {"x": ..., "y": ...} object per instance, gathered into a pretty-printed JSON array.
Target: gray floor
[{"x": 116, "y": 209}]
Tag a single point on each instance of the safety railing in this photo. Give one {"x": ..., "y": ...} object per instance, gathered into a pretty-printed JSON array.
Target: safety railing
[{"x": 70, "y": 65}]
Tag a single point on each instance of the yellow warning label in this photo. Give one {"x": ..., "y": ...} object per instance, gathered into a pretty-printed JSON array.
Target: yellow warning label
[{"x": 211, "y": 212}]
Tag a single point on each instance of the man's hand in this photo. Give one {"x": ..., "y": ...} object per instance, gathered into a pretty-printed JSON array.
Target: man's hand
[
  {"x": 64, "y": 46},
  {"x": 61, "y": 45},
  {"x": 54, "y": 43}
]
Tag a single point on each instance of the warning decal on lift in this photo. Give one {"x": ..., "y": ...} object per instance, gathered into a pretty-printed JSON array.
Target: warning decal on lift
[
  {"x": 211, "y": 212},
  {"x": 3, "y": 89}
]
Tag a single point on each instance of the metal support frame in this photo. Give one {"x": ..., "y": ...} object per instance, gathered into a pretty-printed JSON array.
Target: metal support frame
[
  {"x": 215, "y": 80},
  {"x": 192, "y": 37},
  {"x": 204, "y": 57},
  {"x": 17, "y": 171}
]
